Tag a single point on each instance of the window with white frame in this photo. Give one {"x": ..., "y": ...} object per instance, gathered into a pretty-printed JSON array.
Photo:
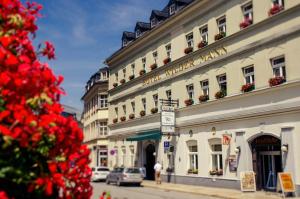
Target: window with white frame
[
  {"x": 248, "y": 11},
  {"x": 144, "y": 103},
  {"x": 155, "y": 100},
  {"x": 190, "y": 91},
  {"x": 155, "y": 55},
  {"x": 205, "y": 87},
  {"x": 278, "y": 65},
  {"x": 144, "y": 63},
  {"x": 117, "y": 112},
  {"x": 222, "y": 24},
  {"x": 216, "y": 155},
  {"x": 169, "y": 94},
  {"x": 124, "y": 42},
  {"x": 204, "y": 33},
  {"x": 190, "y": 40},
  {"x": 124, "y": 109},
  {"x": 102, "y": 128},
  {"x": 193, "y": 154},
  {"x": 117, "y": 77},
  {"x": 103, "y": 101},
  {"x": 104, "y": 75},
  {"x": 132, "y": 69},
  {"x": 249, "y": 74},
  {"x": 168, "y": 50},
  {"x": 124, "y": 73},
  {"x": 222, "y": 80},
  {"x": 131, "y": 155},
  {"x": 133, "y": 106},
  {"x": 278, "y": 2},
  {"x": 102, "y": 156},
  {"x": 172, "y": 9}
]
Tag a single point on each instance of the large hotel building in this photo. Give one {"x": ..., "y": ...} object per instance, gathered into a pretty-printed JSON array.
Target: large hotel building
[{"x": 234, "y": 67}]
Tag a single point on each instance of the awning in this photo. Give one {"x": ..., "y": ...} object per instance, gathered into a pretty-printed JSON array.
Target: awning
[{"x": 149, "y": 135}]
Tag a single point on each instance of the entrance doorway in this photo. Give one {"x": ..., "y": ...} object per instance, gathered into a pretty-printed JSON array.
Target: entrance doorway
[
  {"x": 150, "y": 162},
  {"x": 266, "y": 157}
]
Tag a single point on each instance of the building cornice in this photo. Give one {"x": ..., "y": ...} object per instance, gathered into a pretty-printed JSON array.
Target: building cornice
[{"x": 96, "y": 85}]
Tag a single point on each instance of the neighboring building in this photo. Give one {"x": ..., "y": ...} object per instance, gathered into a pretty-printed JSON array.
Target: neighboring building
[
  {"x": 73, "y": 112},
  {"x": 95, "y": 116},
  {"x": 234, "y": 66}
]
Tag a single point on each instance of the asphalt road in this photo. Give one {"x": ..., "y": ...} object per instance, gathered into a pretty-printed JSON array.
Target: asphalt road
[{"x": 133, "y": 192}]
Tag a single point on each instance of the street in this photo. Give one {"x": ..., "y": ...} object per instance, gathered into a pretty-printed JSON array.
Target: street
[{"x": 133, "y": 192}]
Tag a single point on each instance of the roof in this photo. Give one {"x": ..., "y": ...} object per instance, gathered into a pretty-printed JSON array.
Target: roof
[
  {"x": 143, "y": 26},
  {"x": 179, "y": 1},
  {"x": 160, "y": 14},
  {"x": 128, "y": 35}
]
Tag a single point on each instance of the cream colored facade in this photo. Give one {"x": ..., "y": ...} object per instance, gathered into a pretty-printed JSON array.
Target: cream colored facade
[
  {"x": 267, "y": 113},
  {"x": 95, "y": 117}
]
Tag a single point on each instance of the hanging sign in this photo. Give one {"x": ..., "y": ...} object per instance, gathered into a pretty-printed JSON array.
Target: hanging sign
[
  {"x": 167, "y": 119},
  {"x": 285, "y": 183},
  {"x": 248, "y": 181},
  {"x": 226, "y": 139}
]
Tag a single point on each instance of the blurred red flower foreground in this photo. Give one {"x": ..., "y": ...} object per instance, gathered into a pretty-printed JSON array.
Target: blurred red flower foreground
[{"x": 41, "y": 152}]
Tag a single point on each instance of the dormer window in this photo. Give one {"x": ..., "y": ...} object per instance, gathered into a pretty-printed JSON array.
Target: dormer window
[
  {"x": 138, "y": 32},
  {"x": 153, "y": 22},
  {"x": 172, "y": 9}
]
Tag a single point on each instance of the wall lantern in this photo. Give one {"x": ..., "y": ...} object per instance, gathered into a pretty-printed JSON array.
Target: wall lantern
[
  {"x": 285, "y": 148},
  {"x": 191, "y": 133},
  {"x": 237, "y": 149},
  {"x": 154, "y": 154}
]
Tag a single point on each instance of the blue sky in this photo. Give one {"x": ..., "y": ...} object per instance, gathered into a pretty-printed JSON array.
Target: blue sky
[{"x": 84, "y": 33}]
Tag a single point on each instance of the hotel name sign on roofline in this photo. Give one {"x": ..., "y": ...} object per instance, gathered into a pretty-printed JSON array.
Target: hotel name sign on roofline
[{"x": 186, "y": 65}]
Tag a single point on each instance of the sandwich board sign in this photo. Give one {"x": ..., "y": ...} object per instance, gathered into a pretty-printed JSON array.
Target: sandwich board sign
[
  {"x": 248, "y": 181},
  {"x": 285, "y": 183}
]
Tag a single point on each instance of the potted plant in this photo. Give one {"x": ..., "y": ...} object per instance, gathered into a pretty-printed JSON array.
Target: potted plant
[
  {"x": 154, "y": 110},
  {"x": 202, "y": 44},
  {"x": 115, "y": 85},
  {"x": 220, "y": 35},
  {"x": 123, "y": 118},
  {"x": 122, "y": 81},
  {"x": 115, "y": 120},
  {"x": 276, "y": 81},
  {"x": 213, "y": 172},
  {"x": 248, "y": 87},
  {"x": 190, "y": 171},
  {"x": 219, "y": 172},
  {"x": 142, "y": 72},
  {"x": 153, "y": 66},
  {"x": 189, "y": 102},
  {"x": 203, "y": 98},
  {"x": 220, "y": 94},
  {"x": 131, "y": 116},
  {"x": 245, "y": 23},
  {"x": 188, "y": 50},
  {"x": 142, "y": 113},
  {"x": 167, "y": 60},
  {"x": 131, "y": 77},
  {"x": 275, "y": 9}
]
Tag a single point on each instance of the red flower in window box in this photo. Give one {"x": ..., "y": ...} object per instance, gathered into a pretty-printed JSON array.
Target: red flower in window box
[
  {"x": 247, "y": 22},
  {"x": 220, "y": 94},
  {"x": 188, "y": 50},
  {"x": 142, "y": 72},
  {"x": 189, "y": 102},
  {"x": 153, "y": 66},
  {"x": 115, "y": 85},
  {"x": 203, "y": 98},
  {"x": 154, "y": 110},
  {"x": 122, "y": 81},
  {"x": 123, "y": 118},
  {"x": 276, "y": 81},
  {"x": 142, "y": 113},
  {"x": 131, "y": 77},
  {"x": 167, "y": 60},
  {"x": 131, "y": 116},
  {"x": 220, "y": 36},
  {"x": 115, "y": 120},
  {"x": 275, "y": 9},
  {"x": 202, "y": 44},
  {"x": 248, "y": 87}
]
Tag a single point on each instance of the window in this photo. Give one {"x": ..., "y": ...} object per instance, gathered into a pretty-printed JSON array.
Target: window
[
  {"x": 124, "y": 109},
  {"x": 103, "y": 101},
  {"x": 102, "y": 128},
  {"x": 102, "y": 158},
  {"x": 116, "y": 77},
  {"x": 204, "y": 34},
  {"x": 104, "y": 75},
  {"x": 172, "y": 9},
  {"x": 123, "y": 156},
  {"x": 216, "y": 156},
  {"x": 222, "y": 24},
  {"x": 132, "y": 156},
  {"x": 132, "y": 68},
  {"x": 117, "y": 112},
  {"x": 144, "y": 103},
  {"x": 248, "y": 11},
  {"x": 168, "y": 50},
  {"x": 155, "y": 100},
  {"x": 222, "y": 83},
  {"x": 144, "y": 63},
  {"x": 169, "y": 94},
  {"x": 205, "y": 87},
  {"x": 190, "y": 40},
  {"x": 153, "y": 22},
  {"x": 116, "y": 156},
  {"x": 278, "y": 65},
  {"x": 249, "y": 74},
  {"x": 133, "y": 106},
  {"x": 278, "y": 2},
  {"x": 124, "y": 42},
  {"x": 155, "y": 56},
  {"x": 138, "y": 33},
  {"x": 124, "y": 73},
  {"x": 193, "y": 154},
  {"x": 190, "y": 91}
]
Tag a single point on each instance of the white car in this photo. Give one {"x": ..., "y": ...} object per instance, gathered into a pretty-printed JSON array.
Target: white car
[{"x": 99, "y": 173}]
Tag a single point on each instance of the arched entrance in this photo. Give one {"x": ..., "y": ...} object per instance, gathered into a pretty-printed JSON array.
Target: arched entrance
[
  {"x": 266, "y": 157},
  {"x": 150, "y": 162}
]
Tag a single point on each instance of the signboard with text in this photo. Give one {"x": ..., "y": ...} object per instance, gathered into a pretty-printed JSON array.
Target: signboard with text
[
  {"x": 167, "y": 119},
  {"x": 285, "y": 183},
  {"x": 248, "y": 181}
]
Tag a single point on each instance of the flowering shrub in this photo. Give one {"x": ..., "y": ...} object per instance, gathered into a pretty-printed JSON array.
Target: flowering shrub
[
  {"x": 203, "y": 98},
  {"x": 154, "y": 110},
  {"x": 131, "y": 116},
  {"x": 123, "y": 119},
  {"x": 220, "y": 94},
  {"x": 41, "y": 152},
  {"x": 202, "y": 44},
  {"x": 167, "y": 60},
  {"x": 122, "y": 81},
  {"x": 248, "y": 87},
  {"x": 220, "y": 36},
  {"x": 153, "y": 66},
  {"x": 131, "y": 77},
  {"x": 142, "y": 72},
  {"x": 115, "y": 85},
  {"x": 188, "y": 50},
  {"x": 105, "y": 195},
  {"x": 276, "y": 81},
  {"x": 189, "y": 102},
  {"x": 275, "y": 9},
  {"x": 142, "y": 113},
  {"x": 115, "y": 120},
  {"x": 245, "y": 23}
]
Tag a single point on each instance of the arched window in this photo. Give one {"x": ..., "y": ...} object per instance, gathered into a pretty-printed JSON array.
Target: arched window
[{"x": 193, "y": 155}]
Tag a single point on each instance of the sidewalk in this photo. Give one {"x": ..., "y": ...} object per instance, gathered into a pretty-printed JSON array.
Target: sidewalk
[{"x": 209, "y": 191}]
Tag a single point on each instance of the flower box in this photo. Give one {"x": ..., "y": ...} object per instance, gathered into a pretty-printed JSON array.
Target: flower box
[
  {"x": 154, "y": 110},
  {"x": 193, "y": 171},
  {"x": 213, "y": 172},
  {"x": 220, "y": 36},
  {"x": 153, "y": 66},
  {"x": 142, "y": 72},
  {"x": 248, "y": 87},
  {"x": 275, "y": 9},
  {"x": 123, "y": 118},
  {"x": 202, "y": 44},
  {"x": 167, "y": 60},
  {"x": 203, "y": 98},
  {"x": 247, "y": 22},
  {"x": 115, "y": 85},
  {"x": 115, "y": 120},
  {"x": 188, "y": 50},
  {"x": 189, "y": 102},
  {"x": 131, "y": 116},
  {"x": 142, "y": 113},
  {"x": 220, "y": 172},
  {"x": 220, "y": 94},
  {"x": 131, "y": 77},
  {"x": 122, "y": 81},
  {"x": 276, "y": 81}
]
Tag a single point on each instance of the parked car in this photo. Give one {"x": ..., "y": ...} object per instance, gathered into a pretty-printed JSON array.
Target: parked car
[
  {"x": 122, "y": 176},
  {"x": 99, "y": 173}
]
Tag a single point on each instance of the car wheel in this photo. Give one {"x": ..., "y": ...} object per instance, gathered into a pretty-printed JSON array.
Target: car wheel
[{"x": 119, "y": 183}]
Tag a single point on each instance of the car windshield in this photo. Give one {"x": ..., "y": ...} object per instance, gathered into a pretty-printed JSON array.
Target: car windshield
[
  {"x": 102, "y": 169},
  {"x": 132, "y": 170},
  {"x": 119, "y": 170}
]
